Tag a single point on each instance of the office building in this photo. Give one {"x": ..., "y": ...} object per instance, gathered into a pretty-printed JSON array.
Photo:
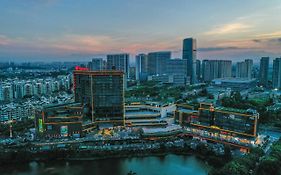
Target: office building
[
  {"x": 157, "y": 62},
  {"x": 141, "y": 67},
  {"x": 118, "y": 62},
  {"x": 276, "y": 74},
  {"x": 219, "y": 120},
  {"x": 102, "y": 92},
  {"x": 216, "y": 69},
  {"x": 235, "y": 84},
  {"x": 198, "y": 70},
  {"x": 60, "y": 120},
  {"x": 96, "y": 64},
  {"x": 189, "y": 53},
  {"x": 264, "y": 66},
  {"x": 176, "y": 67},
  {"x": 174, "y": 79},
  {"x": 244, "y": 69}
]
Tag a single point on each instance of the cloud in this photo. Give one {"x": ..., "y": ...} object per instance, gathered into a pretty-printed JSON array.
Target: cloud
[
  {"x": 4, "y": 40},
  {"x": 276, "y": 34},
  {"x": 210, "y": 49},
  {"x": 229, "y": 29}
]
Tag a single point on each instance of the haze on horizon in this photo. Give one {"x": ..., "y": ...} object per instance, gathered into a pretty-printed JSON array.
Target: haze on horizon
[{"x": 71, "y": 30}]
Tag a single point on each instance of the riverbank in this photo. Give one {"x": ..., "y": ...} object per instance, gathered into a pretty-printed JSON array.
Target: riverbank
[{"x": 24, "y": 157}]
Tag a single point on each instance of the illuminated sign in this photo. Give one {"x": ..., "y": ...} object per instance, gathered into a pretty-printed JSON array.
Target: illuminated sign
[
  {"x": 40, "y": 121},
  {"x": 64, "y": 131},
  {"x": 81, "y": 68}
]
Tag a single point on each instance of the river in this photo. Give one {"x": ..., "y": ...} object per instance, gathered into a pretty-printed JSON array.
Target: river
[{"x": 162, "y": 165}]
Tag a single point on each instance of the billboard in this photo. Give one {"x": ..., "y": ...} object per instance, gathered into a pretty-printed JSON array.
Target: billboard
[
  {"x": 40, "y": 125},
  {"x": 64, "y": 131}
]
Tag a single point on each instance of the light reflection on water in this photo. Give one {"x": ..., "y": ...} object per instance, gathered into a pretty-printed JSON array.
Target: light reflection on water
[{"x": 164, "y": 165}]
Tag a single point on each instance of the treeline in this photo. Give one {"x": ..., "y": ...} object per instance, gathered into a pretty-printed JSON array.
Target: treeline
[{"x": 255, "y": 162}]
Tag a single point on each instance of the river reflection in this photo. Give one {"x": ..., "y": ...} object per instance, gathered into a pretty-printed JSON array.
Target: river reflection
[{"x": 163, "y": 165}]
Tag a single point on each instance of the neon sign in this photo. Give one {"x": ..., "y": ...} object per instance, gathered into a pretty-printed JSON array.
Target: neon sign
[{"x": 81, "y": 68}]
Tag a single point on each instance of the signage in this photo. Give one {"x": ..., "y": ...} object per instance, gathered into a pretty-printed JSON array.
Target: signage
[
  {"x": 81, "y": 68},
  {"x": 40, "y": 125},
  {"x": 64, "y": 131}
]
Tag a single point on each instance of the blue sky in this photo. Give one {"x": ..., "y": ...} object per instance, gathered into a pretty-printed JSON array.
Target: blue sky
[{"x": 35, "y": 30}]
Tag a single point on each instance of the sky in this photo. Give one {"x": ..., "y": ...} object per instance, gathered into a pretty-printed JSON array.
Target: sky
[{"x": 77, "y": 30}]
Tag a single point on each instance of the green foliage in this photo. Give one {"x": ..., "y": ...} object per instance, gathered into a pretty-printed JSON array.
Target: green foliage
[
  {"x": 161, "y": 93},
  {"x": 271, "y": 163},
  {"x": 241, "y": 165}
]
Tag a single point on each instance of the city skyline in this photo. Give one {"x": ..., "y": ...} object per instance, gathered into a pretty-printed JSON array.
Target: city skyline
[{"x": 59, "y": 30}]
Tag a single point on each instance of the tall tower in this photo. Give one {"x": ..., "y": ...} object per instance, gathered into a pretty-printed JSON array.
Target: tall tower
[
  {"x": 189, "y": 53},
  {"x": 141, "y": 66},
  {"x": 276, "y": 75},
  {"x": 264, "y": 64}
]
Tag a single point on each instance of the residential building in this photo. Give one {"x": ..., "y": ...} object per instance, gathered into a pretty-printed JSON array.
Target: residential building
[
  {"x": 244, "y": 69},
  {"x": 216, "y": 69},
  {"x": 276, "y": 74},
  {"x": 263, "y": 76}
]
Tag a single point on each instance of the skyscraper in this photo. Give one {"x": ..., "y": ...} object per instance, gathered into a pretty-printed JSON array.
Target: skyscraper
[
  {"x": 189, "y": 53},
  {"x": 276, "y": 74},
  {"x": 141, "y": 67},
  {"x": 198, "y": 70},
  {"x": 103, "y": 93},
  {"x": 216, "y": 69},
  {"x": 157, "y": 62},
  {"x": 244, "y": 69},
  {"x": 96, "y": 64},
  {"x": 264, "y": 66},
  {"x": 118, "y": 62}
]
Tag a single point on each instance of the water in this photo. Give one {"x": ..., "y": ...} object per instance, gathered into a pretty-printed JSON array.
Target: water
[{"x": 164, "y": 165}]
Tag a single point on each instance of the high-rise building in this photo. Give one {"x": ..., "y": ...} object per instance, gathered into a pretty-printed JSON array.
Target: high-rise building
[
  {"x": 198, "y": 70},
  {"x": 176, "y": 67},
  {"x": 216, "y": 69},
  {"x": 118, "y": 62},
  {"x": 7, "y": 91},
  {"x": 141, "y": 67},
  {"x": 276, "y": 74},
  {"x": 264, "y": 66},
  {"x": 38, "y": 88},
  {"x": 103, "y": 93},
  {"x": 244, "y": 69},
  {"x": 19, "y": 90},
  {"x": 189, "y": 53},
  {"x": 96, "y": 64},
  {"x": 157, "y": 62},
  {"x": 132, "y": 73},
  {"x": 28, "y": 89}
]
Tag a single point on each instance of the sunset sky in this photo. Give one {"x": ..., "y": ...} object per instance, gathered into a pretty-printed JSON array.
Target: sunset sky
[{"x": 54, "y": 30}]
